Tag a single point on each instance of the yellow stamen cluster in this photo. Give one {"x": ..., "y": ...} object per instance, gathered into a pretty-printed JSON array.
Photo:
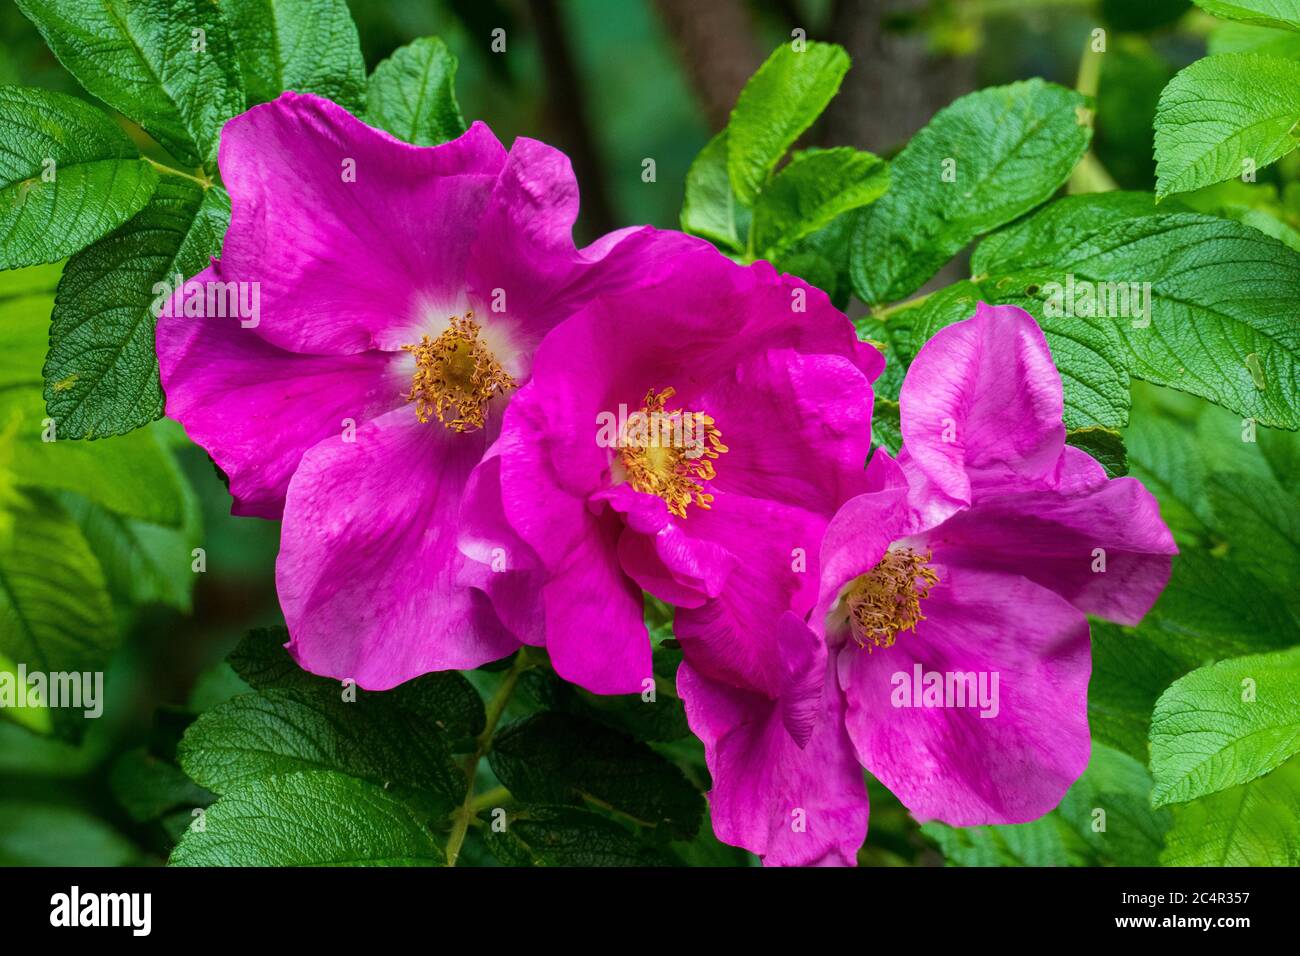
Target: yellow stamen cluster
[
  {"x": 887, "y": 599},
  {"x": 672, "y": 470},
  {"x": 456, "y": 376}
]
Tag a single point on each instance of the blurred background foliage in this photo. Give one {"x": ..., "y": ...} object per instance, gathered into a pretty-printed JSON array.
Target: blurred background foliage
[{"x": 613, "y": 83}]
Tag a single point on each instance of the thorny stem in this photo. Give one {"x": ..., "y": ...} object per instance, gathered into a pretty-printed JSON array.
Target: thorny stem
[{"x": 468, "y": 810}]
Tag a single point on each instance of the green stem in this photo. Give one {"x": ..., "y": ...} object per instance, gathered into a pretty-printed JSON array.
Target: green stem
[
  {"x": 490, "y": 799},
  {"x": 883, "y": 312},
  {"x": 468, "y": 810},
  {"x": 166, "y": 170}
]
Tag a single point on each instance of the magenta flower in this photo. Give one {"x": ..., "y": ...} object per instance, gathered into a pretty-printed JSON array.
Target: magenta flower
[
  {"x": 948, "y": 650},
  {"x": 691, "y": 438},
  {"x": 347, "y": 360}
]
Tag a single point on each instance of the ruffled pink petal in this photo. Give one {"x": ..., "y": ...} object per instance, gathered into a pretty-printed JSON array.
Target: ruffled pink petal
[
  {"x": 949, "y": 763},
  {"x": 354, "y": 236},
  {"x": 1102, "y": 547},
  {"x": 733, "y": 637},
  {"x": 797, "y": 426},
  {"x": 524, "y": 265},
  {"x": 595, "y": 629},
  {"x": 500, "y": 563},
  {"x": 981, "y": 406},
  {"x": 368, "y": 565},
  {"x": 256, "y": 408},
  {"x": 792, "y": 805},
  {"x": 595, "y": 625}
]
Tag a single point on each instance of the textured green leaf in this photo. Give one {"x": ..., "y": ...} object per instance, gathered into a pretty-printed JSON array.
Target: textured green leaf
[
  {"x": 1268, "y": 13},
  {"x": 814, "y": 188},
  {"x": 1008, "y": 149},
  {"x": 822, "y": 259},
  {"x": 101, "y": 376},
  {"x": 305, "y": 47},
  {"x": 1222, "y": 113},
  {"x": 68, "y": 175},
  {"x": 557, "y": 758},
  {"x": 1252, "y": 824},
  {"x": 710, "y": 208},
  {"x": 1205, "y": 737},
  {"x": 167, "y": 64},
  {"x": 1222, "y": 303},
  {"x": 445, "y": 698},
  {"x": 254, "y": 736},
  {"x": 308, "y": 819},
  {"x": 779, "y": 102},
  {"x": 412, "y": 94},
  {"x": 567, "y": 836}
]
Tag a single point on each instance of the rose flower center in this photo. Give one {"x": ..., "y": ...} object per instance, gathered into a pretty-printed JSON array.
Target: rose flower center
[
  {"x": 887, "y": 599},
  {"x": 456, "y": 375},
  {"x": 669, "y": 453}
]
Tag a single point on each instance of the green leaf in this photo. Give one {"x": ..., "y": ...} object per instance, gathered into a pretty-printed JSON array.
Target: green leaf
[
  {"x": 1087, "y": 352},
  {"x": 144, "y": 563},
  {"x": 68, "y": 175},
  {"x": 412, "y": 94},
  {"x": 147, "y": 787},
  {"x": 1245, "y": 38},
  {"x": 1254, "y": 120},
  {"x": 1043, "y": 842},
  {"x": 304, "y": 47},
  {"x": 779, "y": 102},
  {"x": 981, "y": 162},
  {"x": 1130, "y": 669},
  {"x": 822, "y": 259},
  {"x": 167, "y": 64},
  {"x": 101, "y": 376},
  {"x": 558, "y": 758},
  {"x": 710, "y": 208},
  {"x": 1164, "y": 456},
  {"x": 1268, "y": 13},
  {"x": 816, "y": 186},
  {"x": 35, "y": 834},
  {"x": 53, "y": 602},
  {"x": 1222, "y": 301},
  {"x": 1126, "y": 831},
  {"x": 445, "y": 698},
  {"x": 1261, "y": 522},
  {"x": 254, "y": 736},
  {"x": 133, "y": 476},
  {"x": 308, "y": 819},
  {"x": 567, "y": 836},
  {"x": 1105, "y": 818},
  {"x": 660, "y": 720},
  {"x": 1253, "y": 824},
  {"x": 1224, "y": 725}
]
